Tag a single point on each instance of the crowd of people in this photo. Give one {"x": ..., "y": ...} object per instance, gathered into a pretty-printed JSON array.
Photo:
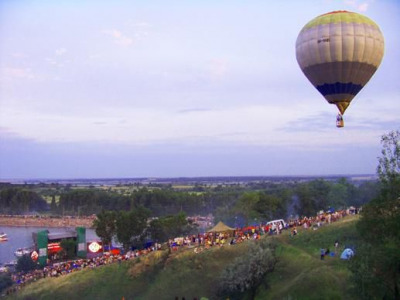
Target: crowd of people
[
  {"x": 210, "y": 239},
  {"x": 318, "y": 220},
  {"x": 63, "y": 268},
  {"x": 199, "y": 242}
]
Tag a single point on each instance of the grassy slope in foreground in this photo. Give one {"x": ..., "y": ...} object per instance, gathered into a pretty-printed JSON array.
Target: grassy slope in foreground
[{"x": 299, "y": 274}]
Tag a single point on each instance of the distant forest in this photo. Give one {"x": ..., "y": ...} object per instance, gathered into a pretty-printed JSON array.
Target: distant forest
[{"x": 234, "y": 203}]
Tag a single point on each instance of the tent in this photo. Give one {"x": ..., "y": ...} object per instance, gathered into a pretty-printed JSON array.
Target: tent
[
  {"x": 347, "y": 253},
  {"x": 330, "y": 210},
  {"x": 221, "y": 227}
]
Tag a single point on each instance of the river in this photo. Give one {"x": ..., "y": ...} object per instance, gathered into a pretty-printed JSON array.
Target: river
[{"x": 20, "y": 237}]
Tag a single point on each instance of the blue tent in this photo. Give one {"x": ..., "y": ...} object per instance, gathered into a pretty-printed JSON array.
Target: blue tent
[{"x": 347, "y": 254}]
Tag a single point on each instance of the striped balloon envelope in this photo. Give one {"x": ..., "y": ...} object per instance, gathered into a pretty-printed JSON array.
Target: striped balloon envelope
[{"x": 339, "y": 52}]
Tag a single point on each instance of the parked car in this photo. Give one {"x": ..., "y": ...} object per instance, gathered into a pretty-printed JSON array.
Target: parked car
[{"x": 278, "y": 222}]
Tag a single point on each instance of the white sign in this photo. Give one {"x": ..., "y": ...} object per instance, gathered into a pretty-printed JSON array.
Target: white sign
[
  {"x": 43, "y": 252},
  {"x": 94, "y": 247},
  {"x": 81, "y": 247}
]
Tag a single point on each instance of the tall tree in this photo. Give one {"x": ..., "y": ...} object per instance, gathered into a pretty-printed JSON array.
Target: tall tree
[
  {"x": 268, "y": 206},
  {"x": 130, "y": 226},
  {"x": 306, "y": 205},
  {"x": 338, "y": 196},
  {"x": 246, "y": 206},
  {"x": 376, "y": 266},
  {"x": 105, "y": 226},
  {"x": 320, "y": 190},
  {"x": 167, "y": 227},
  {"x": 389, "y": 164}
]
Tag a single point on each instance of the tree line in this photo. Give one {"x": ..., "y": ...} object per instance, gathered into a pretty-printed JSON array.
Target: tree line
[
  {"x": 134, "y": 228},
  {"x": 231, "y": 204},
  {"x": 15, "y": 200}
]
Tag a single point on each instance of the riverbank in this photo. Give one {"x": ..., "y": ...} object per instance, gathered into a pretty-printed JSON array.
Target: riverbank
[{"x": 44, "y": 221}]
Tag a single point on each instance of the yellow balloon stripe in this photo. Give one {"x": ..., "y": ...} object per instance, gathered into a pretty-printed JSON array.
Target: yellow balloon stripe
[
  {"x": 333, "y": 42},
  {"x": 340, "y": 17}
]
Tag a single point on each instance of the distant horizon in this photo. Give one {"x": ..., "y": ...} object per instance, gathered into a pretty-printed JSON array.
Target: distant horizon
[{"x": 142, "y": 178}]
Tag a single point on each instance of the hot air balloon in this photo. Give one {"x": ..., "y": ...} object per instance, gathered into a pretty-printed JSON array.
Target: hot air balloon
[{"x": 339, "y": 52}]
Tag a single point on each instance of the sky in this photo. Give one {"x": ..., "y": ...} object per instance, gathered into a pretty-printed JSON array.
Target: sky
[{"x": 100, "y": 89}]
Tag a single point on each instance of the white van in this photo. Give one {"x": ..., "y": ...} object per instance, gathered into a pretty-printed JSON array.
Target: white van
[{"x": 278, "y": 222}]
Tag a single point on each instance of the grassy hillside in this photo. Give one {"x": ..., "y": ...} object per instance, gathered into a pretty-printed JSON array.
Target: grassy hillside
[{"x": 299, "y": 273}]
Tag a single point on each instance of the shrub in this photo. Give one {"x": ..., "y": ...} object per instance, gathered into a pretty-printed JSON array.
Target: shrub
[
  {"x": 25, "y": 264},
  {"x": 247, "y": 271}
]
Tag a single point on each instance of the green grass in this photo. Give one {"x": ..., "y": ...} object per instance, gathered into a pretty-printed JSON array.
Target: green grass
[{"x": 299, "y": 273}]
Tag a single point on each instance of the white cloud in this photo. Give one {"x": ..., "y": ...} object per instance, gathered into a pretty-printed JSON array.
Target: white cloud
[
  {"x": 18, "y": 55},
  {"x": 361, "y": 6},
  {"x": 146, "y": 126},
  {"x": 141, "y": 29},
  {"x": 58, "y": 60},
  {"x": 118, "y": 37},
  {"x": 61, "y": 51},
  {"x": 218, "y": 68},
  {"x": 350, "y": 2},
  {"x": 139, "y": 24},
  {"x": 21, "y": 73},
  {"x": 236, "y": 126},
  {"x": 55, "y": 62}
]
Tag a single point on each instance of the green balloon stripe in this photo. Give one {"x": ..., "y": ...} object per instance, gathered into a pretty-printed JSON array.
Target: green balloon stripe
[{"x": 340, "y": 17}]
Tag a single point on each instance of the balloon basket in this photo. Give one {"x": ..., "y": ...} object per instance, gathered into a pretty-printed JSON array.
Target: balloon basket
[{"x": 339, "y": 121}]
